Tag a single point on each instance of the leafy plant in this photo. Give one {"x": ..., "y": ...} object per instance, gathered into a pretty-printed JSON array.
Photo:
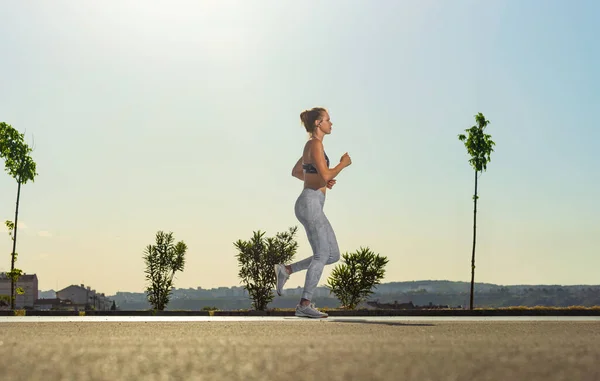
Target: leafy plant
[
  {"x": 479, "y": 146},
  {"x": 15, "y": 273},
  {"x": 4, "y": 300},
  {"x": 21, "y": 167},
  {"x": 257, "y": 257},
  {"x": 353, "y": 280},
  {"x": 163, "y": 260}
]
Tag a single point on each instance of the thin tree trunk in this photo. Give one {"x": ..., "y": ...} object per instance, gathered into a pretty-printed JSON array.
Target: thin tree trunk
[
  {"x": 12, "y": 260},
  {"x": 474, "y": 234}
]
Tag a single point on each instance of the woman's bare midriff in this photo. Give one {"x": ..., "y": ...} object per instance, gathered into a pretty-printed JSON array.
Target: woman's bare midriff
[{"x": 314, "y": 181}]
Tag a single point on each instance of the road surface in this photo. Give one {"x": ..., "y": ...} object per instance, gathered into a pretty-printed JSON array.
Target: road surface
[{"x": 299, "y": 349}]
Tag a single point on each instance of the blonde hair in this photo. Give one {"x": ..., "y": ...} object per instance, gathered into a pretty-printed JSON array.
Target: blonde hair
[{"x": 309, "y": 117}]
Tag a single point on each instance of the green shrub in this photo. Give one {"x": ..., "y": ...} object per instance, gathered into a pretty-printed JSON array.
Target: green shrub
[
  {"x": 353, "y": 280},
  {"x": 257, "y": 258}
]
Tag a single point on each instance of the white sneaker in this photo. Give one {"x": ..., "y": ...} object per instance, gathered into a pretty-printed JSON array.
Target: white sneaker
[
  {"x": 282, "y": 276},
  {"x": 309, "y": 311}
]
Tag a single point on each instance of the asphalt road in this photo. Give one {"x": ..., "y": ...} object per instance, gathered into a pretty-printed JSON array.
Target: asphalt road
[{"x": 289, "y": 349}]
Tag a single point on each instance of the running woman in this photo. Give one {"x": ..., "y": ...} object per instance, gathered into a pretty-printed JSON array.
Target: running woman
[{"x": 313, "y": 169}]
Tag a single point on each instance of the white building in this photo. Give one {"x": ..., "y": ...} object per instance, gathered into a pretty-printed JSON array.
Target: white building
[
  {"x": 84, "y": 297},
  {"x": 29, "y": 284}
]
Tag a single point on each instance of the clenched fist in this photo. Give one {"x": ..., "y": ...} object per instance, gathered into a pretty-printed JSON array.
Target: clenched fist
[{"x": 345, "y": 160}]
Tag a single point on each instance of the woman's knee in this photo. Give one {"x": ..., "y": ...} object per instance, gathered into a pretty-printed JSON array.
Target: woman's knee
[
  {"x": 334, "y": 256},
  {"x": 321, "y": 258}
]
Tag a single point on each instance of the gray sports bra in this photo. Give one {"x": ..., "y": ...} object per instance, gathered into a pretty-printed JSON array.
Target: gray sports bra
[{"x": 309, "y": 168}]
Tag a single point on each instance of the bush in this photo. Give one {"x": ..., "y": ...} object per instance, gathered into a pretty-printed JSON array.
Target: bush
[
  {"x": 4, "y": 300},
  {"x": 162, "y": 261},
  {"x": 353, "y": 280},
  {"x": 257, "y": 257}
]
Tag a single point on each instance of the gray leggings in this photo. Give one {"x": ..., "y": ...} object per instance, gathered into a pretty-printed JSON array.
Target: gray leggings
[{"x": 309, "y": 211}]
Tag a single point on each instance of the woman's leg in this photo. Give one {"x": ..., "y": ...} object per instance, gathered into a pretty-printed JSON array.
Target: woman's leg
[
  {"x": 333, "y": 248},
  {"x": 306, "y": 207},
  {"x": 323, "y": 242},
  {"x": 325, "y": 252}
]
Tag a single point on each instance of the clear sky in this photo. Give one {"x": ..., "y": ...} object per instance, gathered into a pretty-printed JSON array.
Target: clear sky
[{"x": 184, "y": 117}]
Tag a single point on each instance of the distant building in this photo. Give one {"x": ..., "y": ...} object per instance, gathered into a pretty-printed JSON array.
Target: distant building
[
  {"x": 53, "y": 304},
  {"x": 29, "y": 284},
  {"x": 83, "y": 297}
]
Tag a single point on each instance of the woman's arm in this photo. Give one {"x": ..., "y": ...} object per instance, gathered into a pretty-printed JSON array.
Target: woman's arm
[
  {"x": 297, "y": 171},
  {"x": 318, "y": 158}
]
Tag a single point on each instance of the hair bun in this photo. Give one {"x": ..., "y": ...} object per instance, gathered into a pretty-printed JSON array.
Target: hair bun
[{"x": 303, "y": 115}]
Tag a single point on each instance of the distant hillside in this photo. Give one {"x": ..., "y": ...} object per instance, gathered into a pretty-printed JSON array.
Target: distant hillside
[
  {"x": 420, "y": 293},
  {"x": 446, "y": 286}
]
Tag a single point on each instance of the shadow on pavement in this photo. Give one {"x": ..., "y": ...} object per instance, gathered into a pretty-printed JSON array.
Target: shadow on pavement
[{"x": 361, "y": 321}]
